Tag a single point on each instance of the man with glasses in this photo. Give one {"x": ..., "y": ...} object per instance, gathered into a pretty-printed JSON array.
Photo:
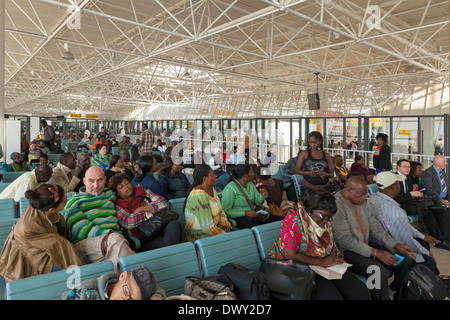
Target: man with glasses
[
  {"x": 408, "y": 198},
  {"x": 137, "y": 284}
]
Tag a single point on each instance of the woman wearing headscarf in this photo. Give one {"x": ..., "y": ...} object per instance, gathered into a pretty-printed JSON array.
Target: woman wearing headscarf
[{"x": 306, "y": 236}]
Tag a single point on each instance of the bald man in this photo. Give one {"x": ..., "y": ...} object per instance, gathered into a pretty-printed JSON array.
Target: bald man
[
  {"x": 97, "y": 235},
  {"x": 435, "y": 181},
  {"x": 364, "y": 242}
]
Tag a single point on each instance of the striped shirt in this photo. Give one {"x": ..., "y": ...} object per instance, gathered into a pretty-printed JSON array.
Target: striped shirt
[
  {"x": 90, "y": 216},
  {"x": 395, "y": 221},
  {"x": 233, "y": 201}
]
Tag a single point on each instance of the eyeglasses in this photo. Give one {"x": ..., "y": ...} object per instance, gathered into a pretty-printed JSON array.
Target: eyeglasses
[
  {"x": 327, "y": 219},
  {"x": 126, "y": 289}
]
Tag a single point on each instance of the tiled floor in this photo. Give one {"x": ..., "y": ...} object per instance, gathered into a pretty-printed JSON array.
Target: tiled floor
[{"x": 441, "y": 256}]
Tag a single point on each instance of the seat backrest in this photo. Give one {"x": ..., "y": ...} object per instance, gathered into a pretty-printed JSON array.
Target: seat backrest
[
  {"x": 115, "y": 151},
  {"x": 54, "y": 157},
  {"x": 5, "y": 229},
  {"x": 265, "y": 235},
  {"x": 170, "y": 265},
  {"x": 4, "y": 185},
  {"x": 7, "y": 209},
  {"x": 177, "y": 206},
  {"x": 11, "y": 176},
  {"x": 23, "y": 205},
  {"x": 50, "y": 286},
  {"x": 237, "y": 246}
]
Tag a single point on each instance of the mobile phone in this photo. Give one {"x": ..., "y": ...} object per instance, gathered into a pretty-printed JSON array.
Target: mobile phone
[
  {"x": 401, "y": 259},
  {"x": 422, "y": 190},
  {"x": 261, "y": 212}
]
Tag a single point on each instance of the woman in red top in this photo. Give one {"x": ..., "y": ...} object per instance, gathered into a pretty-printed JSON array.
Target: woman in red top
[{"x": 134, "y": 205}]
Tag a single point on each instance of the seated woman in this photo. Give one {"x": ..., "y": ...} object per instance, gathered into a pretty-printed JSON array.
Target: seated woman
[
  {"x": 235, "y": 195},
  {"x": 174, "y": 183},
  {"x": 202, "y": 208},
  {"x": 134, "y": 205},
  {"x": 38, "y": 243},
  {"x": 32, "y": 153},
  {"x": 306, "y": 237},
  {"x": 116, "y": 165},
  {"x": 101, "y": 158},
  {"x": 144, "y": 176},
  {"x": 315, "y": 165},
  {"x": 275, "y": 193}
]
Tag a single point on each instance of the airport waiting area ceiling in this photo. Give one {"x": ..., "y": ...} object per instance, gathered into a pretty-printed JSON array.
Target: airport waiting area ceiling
[{"x": 191, "y": 58}]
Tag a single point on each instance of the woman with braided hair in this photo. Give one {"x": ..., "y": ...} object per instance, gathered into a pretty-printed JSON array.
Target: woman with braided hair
[{"x": 38, "y": 243}]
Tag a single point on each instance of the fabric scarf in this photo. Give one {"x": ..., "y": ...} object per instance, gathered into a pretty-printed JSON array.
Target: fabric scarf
[
  {"x": 66, "y": 170},
  {"x": 317, "y": 246}
]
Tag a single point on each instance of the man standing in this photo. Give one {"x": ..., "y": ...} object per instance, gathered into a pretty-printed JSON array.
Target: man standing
[
  {"x": 355, "y": 229},
  {"x": 92, "y": 222},
  {"x": 146, "y": 142},
  {"x": 48, "y": 135},
  {"x": 394, "y": 220}
]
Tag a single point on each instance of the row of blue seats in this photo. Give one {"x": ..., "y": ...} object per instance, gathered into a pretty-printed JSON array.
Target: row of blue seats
[{"x": 170, "y": 265}]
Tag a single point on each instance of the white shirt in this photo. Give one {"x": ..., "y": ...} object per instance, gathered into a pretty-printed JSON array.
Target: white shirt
[{"x": 18, "y": 187}]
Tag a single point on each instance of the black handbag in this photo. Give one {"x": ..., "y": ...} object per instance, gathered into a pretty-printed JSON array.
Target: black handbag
[
  {"x": 288, "y": 280},
  {"x": 249, "y": 284},
  {"x": 423, "y": 284},
  {"x": 217, "y": 287},
  {"x": 150, "y": 228}
]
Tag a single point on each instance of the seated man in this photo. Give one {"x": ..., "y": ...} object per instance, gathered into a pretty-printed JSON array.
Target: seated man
[
  {"x": 84, "y": 162},
  {"x": 27, "y": 181},
  {"x": 435, "y": 184},
  {"x": 407, "y": 197},
  {"x": 92, "y": 222},
  {"x": 339, "y": 168},
  {"x": 354, "y": 227},
  {"x": 18, "y": 163},
  {"x": 63, "y": 173},
  {"x": 394, "y": 220},
  {"x": 138, "y": 284}
]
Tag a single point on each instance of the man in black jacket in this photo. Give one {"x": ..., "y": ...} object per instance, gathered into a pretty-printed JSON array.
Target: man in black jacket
[{"x": 408, "y": 198}]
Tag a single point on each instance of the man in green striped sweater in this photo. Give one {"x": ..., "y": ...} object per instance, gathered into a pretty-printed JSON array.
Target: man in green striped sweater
[{"x": 92, "y": 222}]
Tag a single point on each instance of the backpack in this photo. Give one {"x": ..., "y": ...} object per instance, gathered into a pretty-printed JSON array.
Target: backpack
[
  {"x": 422, "y": 284},
  {"x": 249, "y": 284}
]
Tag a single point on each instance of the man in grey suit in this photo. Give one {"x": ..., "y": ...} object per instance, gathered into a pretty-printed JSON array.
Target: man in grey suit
[{"x": 435, "y": 182}]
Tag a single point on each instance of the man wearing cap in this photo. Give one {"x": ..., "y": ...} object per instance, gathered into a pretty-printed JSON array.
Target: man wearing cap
[
  {"x": 394, "y": 219},
  {"x": 18, "y": 164},
  {"x": 137, "y": 284},
  {"x": 354, "y": 229},
  {"x": 27, "y": 181}
]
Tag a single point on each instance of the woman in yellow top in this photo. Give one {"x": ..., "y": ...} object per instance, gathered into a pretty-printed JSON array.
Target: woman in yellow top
[{"x": 203, "y": 210}]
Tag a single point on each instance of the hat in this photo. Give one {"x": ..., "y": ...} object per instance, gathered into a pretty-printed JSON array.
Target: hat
[
  {"x": 387, "y": 178},
  {"x": 145, "y": 281},
  {"x": 15, "y": 155}
]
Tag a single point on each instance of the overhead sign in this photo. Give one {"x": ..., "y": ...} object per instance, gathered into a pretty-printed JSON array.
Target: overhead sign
[
  {"x": 75, "y": 115},
  {"x": 91, "y": 116},
  {"x": 403, "y": 132}
]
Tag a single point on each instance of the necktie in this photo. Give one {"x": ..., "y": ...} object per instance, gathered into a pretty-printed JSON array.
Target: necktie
[{"x": 444, "y": 186}]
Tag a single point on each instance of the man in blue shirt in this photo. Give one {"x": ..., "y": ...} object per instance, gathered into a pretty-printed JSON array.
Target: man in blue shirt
[{"x": 394, "y": 219}]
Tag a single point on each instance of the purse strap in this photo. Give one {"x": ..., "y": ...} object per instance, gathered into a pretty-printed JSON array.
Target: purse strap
[
  {"x": 245, "y": 195},
  {"x": 139, "y": 203}
]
